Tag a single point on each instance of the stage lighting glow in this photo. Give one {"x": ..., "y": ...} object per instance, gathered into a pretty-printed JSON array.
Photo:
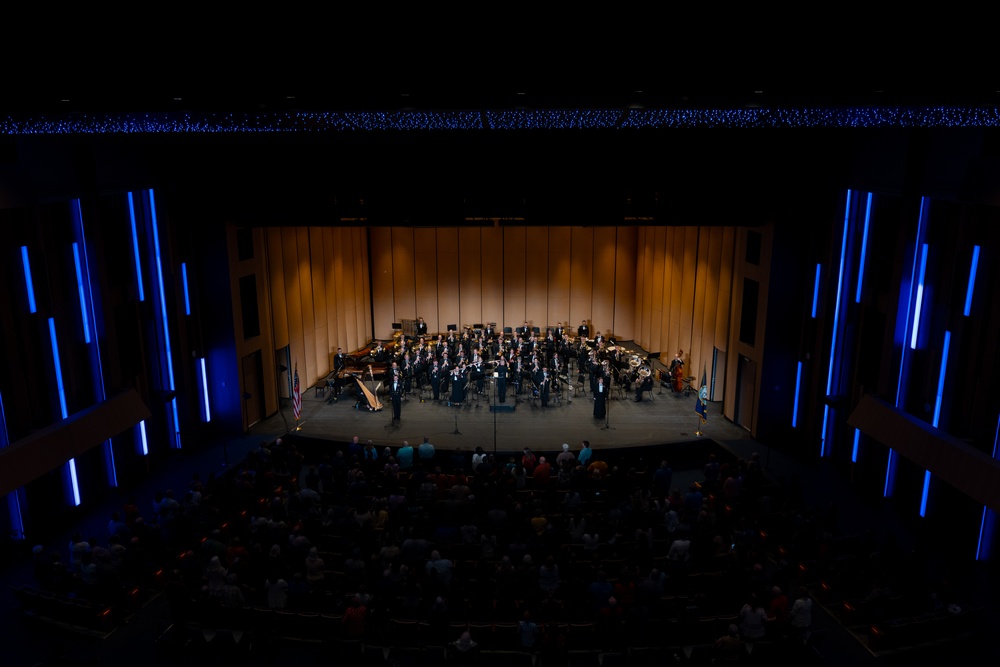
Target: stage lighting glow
[
  {"x": 62, "y": 403},
  {"x": 854, "y": 452},
  {"x": 143, "y": 444}
]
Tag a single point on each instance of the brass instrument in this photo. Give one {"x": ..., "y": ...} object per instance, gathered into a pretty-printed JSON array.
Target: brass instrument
[{"x": 644, "y": 371}]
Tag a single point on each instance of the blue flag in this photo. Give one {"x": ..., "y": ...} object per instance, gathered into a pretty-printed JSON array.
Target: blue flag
[{"x": 701, "y": 402}]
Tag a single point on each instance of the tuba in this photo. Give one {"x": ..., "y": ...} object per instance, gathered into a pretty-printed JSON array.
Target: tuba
[{"x": 644, "y": 371}]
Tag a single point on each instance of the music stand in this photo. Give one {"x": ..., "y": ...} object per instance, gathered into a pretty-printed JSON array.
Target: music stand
[
  {"x": 452, "y": 327},
  {"x": 396, "y": 326}
]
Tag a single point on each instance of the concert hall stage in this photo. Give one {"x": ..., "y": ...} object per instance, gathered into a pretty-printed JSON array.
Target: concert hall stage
[{"x": 662, "y": 417}]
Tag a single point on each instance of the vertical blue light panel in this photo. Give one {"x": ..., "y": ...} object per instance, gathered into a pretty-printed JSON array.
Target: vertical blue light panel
[
  {"x": 143, "y": 443},
  {"x": 203, "y": 376},
  {"x": 854, "y": 452},
  {"x": 923, "y": 496},
  {"x": 163, "y": 315},
  {"x": 135, "y": 248},
  {"x": 80, "y": 290},
  {"x": 941, "y": 374},
  {"x": 890, "y": 468},
  {"x": 920, "y": 299},
  {"x": 13, "y": 498},
  {"x": 795, "y": 405},
  {"x": 28, "y": 282},
  {"x": 816, "y": 290},
  {"x": 187, "y": 299},
  {"x": 972, "y": 280},
  {"x": 62, "y": 405},
  {"x": 864, "y": 249},
  {"x": 987, "y": 527}
]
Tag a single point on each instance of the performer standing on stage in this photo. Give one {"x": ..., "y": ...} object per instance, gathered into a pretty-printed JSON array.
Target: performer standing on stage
[
  {"x": 457, "y": 386},
  {"x": 502, "y": 379},
  {"x": 421, "y": 327},
  {"x": 600, "y": 396},
  {"x": 544, "y": 386},
  {"x": 396, "y": 394},
  {"x": 435, "y": 378}
]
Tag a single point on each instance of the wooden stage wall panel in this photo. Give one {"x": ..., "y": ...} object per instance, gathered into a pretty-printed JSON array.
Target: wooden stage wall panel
[
  {"x": 382, "y": 281},
  {"x": 276, "y": 278},
  {"x": 625, "y": 283},
  {"x": 426, "y": 277},
  {"x": 470, "y": 277},
  {"x": 559, "y": 277},
  {"x": 581, "y": 305},
  {"x": 536, "y": 289},
  {"x": 514, "y": 260},
  {"x": 321, "y": 325},
  {"x": 603, "y": 296},
  {"x": 403, "y": 286},
  {"x": 448, "y": 278},
  {"x": 491, "y": 254}
]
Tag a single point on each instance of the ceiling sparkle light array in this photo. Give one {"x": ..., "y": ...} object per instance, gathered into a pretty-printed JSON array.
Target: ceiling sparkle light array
[{"x": 517, "y": 119}]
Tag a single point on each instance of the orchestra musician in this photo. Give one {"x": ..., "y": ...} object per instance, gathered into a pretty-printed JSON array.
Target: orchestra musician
[
  {"x": 544, "y": 385},
  {"x": 524, "y": 331},
  {"x": 339, "y": 361},
  {"x": 644, "y": 384},
  {"x": 477, "y": 373},
  {"x": 677, "y": 371},
  {"x": 421, "y": 327},
  {"x": 583, "y": 331}
]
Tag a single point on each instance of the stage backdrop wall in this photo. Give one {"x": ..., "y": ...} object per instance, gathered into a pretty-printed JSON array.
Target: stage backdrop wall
[{"x": 665, "y": 288}]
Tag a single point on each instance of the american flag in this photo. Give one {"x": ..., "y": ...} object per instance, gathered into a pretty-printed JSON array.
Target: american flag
[{"x": 296, "y": 394}]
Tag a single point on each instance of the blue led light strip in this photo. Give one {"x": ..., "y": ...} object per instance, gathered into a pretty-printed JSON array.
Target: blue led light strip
[
  {"x": 143, "y": 444},
  {"x": 972, "y": 280},
  {"x": 891, "y": 462},
  {"x": 816, "y": 290},
  {"x": 79, "y": 289},
  {"x": 854, "y": 452},
  {"x": 184, "y": 277},
  {"x": 920, "y": 298},
  {"x": 204, "y": 388},
  {"x": 62, "y": 404},
  {"x": 982, "y": 522},
  {"x": 87, "y": 308},
  {"x": 135, "y": 248},
  {"x": 163, "y": 314},
  {"x": 13, "y": 498},
  {"x": 923, "y": 496},
  {"x": 836, "y": 320},
  {"x": 795, "y": 405},
  {"x": 28, "y": 282},
  {"x": 864, "y": 248},
  {"x": 941, "y": 374}
]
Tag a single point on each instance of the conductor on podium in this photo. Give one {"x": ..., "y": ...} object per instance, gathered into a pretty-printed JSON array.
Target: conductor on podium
[{"x": 396, "y": 394}]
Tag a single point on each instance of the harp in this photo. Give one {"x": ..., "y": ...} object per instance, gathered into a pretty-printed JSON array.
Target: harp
[{"x": 371, "y": 396}]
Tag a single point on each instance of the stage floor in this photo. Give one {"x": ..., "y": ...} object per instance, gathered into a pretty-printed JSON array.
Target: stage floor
[{"x": 662, "y": 417}]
